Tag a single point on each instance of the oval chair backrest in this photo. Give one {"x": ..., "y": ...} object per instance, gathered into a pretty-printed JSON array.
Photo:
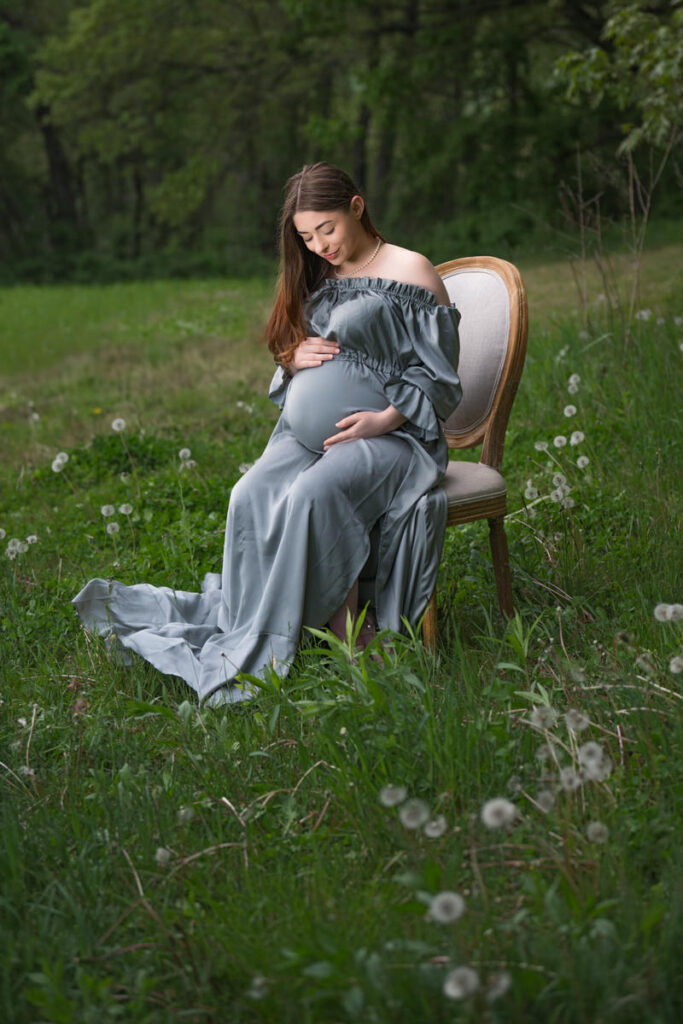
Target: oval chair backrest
[{"x": 481, "y": 295}]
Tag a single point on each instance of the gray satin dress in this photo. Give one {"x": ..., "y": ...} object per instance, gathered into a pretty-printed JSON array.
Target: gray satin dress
[{"x": 303, "y": 525}]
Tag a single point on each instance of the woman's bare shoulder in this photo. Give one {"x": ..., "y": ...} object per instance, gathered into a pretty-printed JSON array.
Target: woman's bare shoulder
[{"x": 412, "y": 268}]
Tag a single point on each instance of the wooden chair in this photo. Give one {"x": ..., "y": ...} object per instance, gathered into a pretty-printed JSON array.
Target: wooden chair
[{"x": 493, "y": 331}]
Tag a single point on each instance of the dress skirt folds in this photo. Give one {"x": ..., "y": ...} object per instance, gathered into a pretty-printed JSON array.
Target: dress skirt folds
[{"x": 303, "y": 525}]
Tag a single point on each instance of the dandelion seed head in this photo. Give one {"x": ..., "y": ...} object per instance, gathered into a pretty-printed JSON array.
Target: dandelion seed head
[
  {"x": 258, "y": 988},
  {"x": 497, "y": 985},
  {"x": 569, "y": 779},
  {"x": 26, "y": 771},
  {"x": 576, "y": 721},
  {"x": 245, "y": 466},
  {"x": 414, "y": 813},
  {"x": 598, "y": 771},
  {"x": 597, "y": 832},
  {"x": 556, "y": 495},
  {"x": 676, "y": 665},
  {"x": 3, "y": 533},
  {"x": 435, "y": 828},
  {"x": 530, "y": 493},
  {"x": 107, "y": 510},
  {"x": 560, "y": 441},
  {"x": 590, "y": 753},
  {"x": 184, "y": 454},
  {"x": 162, "y": 856},
  {"x": 112, "y": 528},
  {"x": 569, "y": 411},
  {"x": 125, "y": 509},
  {"x": 678, "y": 320},
  {"x": 541, "y": 446},
  {"x": 498, "y": 813},
  {"x": 185, "y": 815},
  {"x": 118, "y": 425},
  {"x": 543, "y": 717},
  {"x": 545, "y": 800},
  {"x": 577, "y": 437},
  {"x": 392, "y": 796},
  {"x": 582, "y": 461},
  {"x": 573, "y": 389},
  {"x": 460, "y": 983},
  {"x": 545, "y": 752},
  {"x": 559, "y": 479},
  {"x": 662, "y": 612},
  {"x": 32, "y": 538},
  {"x": 514, "y": 785},
  {"x": 574, "y": 378},
  {"x": 676, "y": 614},
  {"x": 57, "y": 466},
  {"x": 21, "y": 722},
  {"x": 645, "y": 662},
  {"x": 567, "y": 503},
  {"x": 643, "y": 314},
  {"x": 446, "y": 907}
]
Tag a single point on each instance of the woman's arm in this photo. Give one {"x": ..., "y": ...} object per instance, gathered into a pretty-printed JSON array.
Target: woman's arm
[{"x": 366, "y": 424}]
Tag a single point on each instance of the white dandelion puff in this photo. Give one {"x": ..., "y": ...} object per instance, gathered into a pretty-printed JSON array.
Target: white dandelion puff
[
  {"x": 559, "y": 479},
  {"x": 118, "y": 425},
  {"x": 569, "y": 779},
  {"x": 676, "y": 612},
  {"x": 185, "y": 815},
  {"x": 514, "y": 785},
  {"x": 57, "y": 466},
  {"x": 543, "y": 717},
  {"x": 107, "y": 510},
  {"x": 258, "y": 988},
  {"x": 435, "y": 828},
  {"x": 546, "y": 752},
  {"x": 392, "y": 796},
  {"x": 597, "y": 832},
  {"x": 573, "y": 389},
  {"x": 446, "y": 907},
  {"x": 556, "y": 495},
  {"x": 162, "y": 856},
  {"x": 662, "y": 612},
  {"x": 530, "y": 493},
  {"x": 676, "y": 665},
  {"x": 187, "y": 464},
  {"x": 582, "y": 461},
  {"x": 545, "y": 800},
  {"x": 645, "y": 662},
  {"x": 498, "y": 813},
  {"x": 598, "y": 771},
  {"x": 32, "y": 538},
  {"x": 643, "y": 314},
  {"x": 678, "y": 320},
  {"x": 590, "y": 753},
  {"x": 574, "y": 379},
  {"x": 414, "y": 813},
  {"x": 569, "y": 411},
  {"x": 125, "y": 509},
  {"x": 112, "y": 528},
  {"x": 62, "y": 457},
  {"x": 25, "y": 770},
  {"x": 460, "y": 983},
  {"x": 245, "y": 466},
  {"x": 576, "y": 721},
  {"x": 184, "y": 454},
  {"x": 567, "y": 503},
  {"x": 3, "y": 533},
  {"x": 560, "y": 441},
  {"x": 541, "y": 446},
  {"x": 497, "y": 985},
  {"x": 577, "y": 437}
]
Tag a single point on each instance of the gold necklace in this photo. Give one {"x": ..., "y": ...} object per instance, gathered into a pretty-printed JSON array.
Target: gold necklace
[{"x": 363, "y": 265}]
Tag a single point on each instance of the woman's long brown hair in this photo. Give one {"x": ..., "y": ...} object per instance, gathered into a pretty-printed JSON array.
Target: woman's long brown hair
[{"x": 319, "y": 187}]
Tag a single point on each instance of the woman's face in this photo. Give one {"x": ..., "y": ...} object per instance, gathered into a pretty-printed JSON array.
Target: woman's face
[{"x": 335, "y": 235}]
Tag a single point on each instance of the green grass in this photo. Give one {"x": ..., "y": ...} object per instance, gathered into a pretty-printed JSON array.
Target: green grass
[{"x": 289, "y": 892}]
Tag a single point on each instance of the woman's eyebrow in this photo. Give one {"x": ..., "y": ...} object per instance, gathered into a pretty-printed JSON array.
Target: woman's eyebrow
[{"x": 317, "y": 228}]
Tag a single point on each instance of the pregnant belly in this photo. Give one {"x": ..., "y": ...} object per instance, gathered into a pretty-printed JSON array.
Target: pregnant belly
[{"x": 320, "y": 396}]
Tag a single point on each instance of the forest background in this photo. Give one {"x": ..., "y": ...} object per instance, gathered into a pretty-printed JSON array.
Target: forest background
[{"x": 153, "y": 139}]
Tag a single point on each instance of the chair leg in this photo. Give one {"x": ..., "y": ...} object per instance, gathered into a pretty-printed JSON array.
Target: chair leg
[
  {"x": 429, "y": 627},
  {"x": 501, "y": 565}
]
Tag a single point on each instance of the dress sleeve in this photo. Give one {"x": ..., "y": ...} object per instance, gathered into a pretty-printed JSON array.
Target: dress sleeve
[
  {"x": 278, "y": 387},
  {"x": 428, "y": 389}
]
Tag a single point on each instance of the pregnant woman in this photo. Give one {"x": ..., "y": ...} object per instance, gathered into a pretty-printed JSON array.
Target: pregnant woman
[{"x": 342, "y": 507}]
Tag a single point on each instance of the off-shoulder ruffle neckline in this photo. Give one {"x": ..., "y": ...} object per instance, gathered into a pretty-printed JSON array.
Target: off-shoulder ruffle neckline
[{"x": 401, "y": 289}]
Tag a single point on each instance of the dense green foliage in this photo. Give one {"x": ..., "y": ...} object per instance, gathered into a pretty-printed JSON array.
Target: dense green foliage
[
  {"x": 141, "y": 137},
  {"x": 162, "y": 863}
]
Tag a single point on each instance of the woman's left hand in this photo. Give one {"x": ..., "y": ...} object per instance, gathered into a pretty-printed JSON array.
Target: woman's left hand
[{"x": 365, "y": 424}]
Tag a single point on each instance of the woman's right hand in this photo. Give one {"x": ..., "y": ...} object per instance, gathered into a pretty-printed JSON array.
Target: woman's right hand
[{"x": 312, "y": 352}]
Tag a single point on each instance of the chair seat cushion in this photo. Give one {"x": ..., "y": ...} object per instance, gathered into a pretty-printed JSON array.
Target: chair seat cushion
[{"x": 469, "y": 482}]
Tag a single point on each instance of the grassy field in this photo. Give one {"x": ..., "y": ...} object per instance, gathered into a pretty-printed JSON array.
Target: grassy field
[{"x": 163, "y": 863}]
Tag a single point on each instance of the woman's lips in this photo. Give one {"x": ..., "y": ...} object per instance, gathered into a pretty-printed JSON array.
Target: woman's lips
[{"x": 331, "y": 255}]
